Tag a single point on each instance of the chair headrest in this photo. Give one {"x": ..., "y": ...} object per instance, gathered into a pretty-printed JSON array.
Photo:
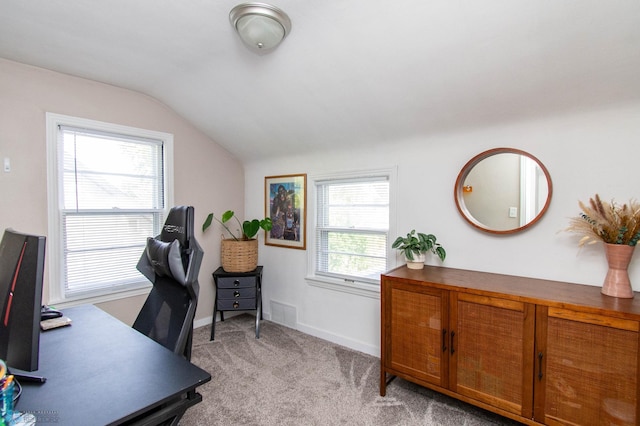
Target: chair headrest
[
  {"x": 175, "y": 253},
  {"x": 178, "y": 226},
  {"x": 169, "y": 254},
  {"x": 166, "y": 259}
]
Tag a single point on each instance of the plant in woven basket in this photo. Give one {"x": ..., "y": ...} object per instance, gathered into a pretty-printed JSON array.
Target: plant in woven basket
[
  {"x": 249, "y": 227},
  {"x": 608, "y": 222}
]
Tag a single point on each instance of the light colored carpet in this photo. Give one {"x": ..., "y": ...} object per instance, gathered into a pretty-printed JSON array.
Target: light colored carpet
[{"x": 290, "y": 378}]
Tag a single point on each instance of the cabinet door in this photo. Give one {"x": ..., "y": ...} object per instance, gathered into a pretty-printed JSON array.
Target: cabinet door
[
  {"x": 415, "y": 317},
  {"x": 492, "y": 351},
  {"x": 588, "y": 369}
]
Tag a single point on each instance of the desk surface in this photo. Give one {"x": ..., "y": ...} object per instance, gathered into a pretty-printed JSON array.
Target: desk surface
[{"x": 100, "y": 371}]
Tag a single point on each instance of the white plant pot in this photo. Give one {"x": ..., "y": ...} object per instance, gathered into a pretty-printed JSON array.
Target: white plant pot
[{"x": 417, "y": 262}]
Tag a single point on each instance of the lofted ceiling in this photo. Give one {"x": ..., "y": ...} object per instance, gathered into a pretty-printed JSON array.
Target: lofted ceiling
[{"x": 351, "y": 73}]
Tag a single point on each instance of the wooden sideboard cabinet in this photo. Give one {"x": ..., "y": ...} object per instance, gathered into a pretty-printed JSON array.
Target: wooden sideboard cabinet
[{"x": 536, "y": 351}]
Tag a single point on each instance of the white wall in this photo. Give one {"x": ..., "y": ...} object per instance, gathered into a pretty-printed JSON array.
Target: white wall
[
  {"x": 585, "y": 152},
  {"x": 206, "y": 176}
]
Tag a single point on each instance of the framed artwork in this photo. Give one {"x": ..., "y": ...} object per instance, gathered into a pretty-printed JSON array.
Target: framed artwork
[{"x": 286, "y": 205}]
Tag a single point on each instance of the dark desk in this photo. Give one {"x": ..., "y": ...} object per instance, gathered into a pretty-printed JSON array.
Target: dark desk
[{"x": 99, "y": 371}]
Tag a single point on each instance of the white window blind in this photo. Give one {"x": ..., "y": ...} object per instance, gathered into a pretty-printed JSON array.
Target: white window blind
[
  {"x": 111, "y": 198},
  {"x": 352, "y": 228}
]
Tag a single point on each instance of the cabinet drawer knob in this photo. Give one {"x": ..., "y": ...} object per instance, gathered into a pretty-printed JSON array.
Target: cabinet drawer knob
[
  {"x": 236, "y": 293},
  {"x": 236, "y": 304},
  {"x": 236, "y": 283}
]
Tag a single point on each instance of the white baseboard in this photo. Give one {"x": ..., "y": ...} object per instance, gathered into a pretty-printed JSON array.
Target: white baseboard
[
  {"x": 207, "y": 320},
  {"x": 321, "y": 334},
  {"x": 202, "y": 322},
  {"x": 340, "y": 340}
]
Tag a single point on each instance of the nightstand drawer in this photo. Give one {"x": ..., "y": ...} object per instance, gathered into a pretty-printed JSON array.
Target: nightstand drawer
[
  {"x": 237, "y": 304},
  {"x": 236, "y": 293},
  {"x": 236, "y": 282}
]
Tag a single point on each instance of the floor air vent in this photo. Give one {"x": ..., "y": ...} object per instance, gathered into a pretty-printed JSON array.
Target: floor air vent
[{"x": 283, "y": 314}]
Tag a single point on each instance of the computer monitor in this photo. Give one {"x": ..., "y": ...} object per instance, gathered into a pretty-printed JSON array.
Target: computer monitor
[{"x": 21, "y": 276}]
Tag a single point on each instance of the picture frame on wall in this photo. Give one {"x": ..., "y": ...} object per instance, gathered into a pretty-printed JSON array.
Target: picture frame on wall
[{"x": 286, "y": 205}]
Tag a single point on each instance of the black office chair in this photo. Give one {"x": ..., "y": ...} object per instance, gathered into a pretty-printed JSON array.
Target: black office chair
[{"x": 171, "y": 261}]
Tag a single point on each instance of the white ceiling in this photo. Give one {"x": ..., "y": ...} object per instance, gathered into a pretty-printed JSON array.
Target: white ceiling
[{"x": 352, "y": 72}]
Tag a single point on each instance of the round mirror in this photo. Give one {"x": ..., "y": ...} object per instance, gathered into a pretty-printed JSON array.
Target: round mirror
[{"x": 503, "y": 190}]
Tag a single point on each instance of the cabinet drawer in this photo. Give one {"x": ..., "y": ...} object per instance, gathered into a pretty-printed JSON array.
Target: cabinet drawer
[
  {"x": 236, "y": 304},
  {"x": 236, "y": 282},
  {"x": 236, "y": 293}
]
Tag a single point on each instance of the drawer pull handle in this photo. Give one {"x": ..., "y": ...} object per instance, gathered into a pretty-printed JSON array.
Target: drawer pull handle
[
  {"x": 236, "y": 283},
  {"x": 453, "y": 333},
  {"x": 539, "y": 365},
  {"x": 236, "y": 293},
  {"x": 236, "y": 304}
]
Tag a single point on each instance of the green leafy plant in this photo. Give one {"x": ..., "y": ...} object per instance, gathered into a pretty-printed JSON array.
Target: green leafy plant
[
  {"x": 415, "y": 244},
  {"x": 608, "y": 222},
  {"x": 249, "y": 227}
]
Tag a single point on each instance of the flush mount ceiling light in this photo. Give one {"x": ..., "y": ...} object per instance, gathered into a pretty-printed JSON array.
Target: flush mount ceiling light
[{"x": 261, "y": 26}]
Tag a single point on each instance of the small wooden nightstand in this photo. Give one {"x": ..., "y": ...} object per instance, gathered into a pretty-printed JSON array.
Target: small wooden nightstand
[{"x": 237, "y": 291}]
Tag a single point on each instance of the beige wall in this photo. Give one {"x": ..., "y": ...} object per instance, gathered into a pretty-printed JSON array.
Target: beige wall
[{"x": 206, "y": 176}]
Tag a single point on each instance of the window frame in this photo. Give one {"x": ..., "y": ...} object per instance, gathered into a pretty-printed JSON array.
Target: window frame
[
  {"x": 54, "y": 191},
  {"x": 348, "y": 285}
]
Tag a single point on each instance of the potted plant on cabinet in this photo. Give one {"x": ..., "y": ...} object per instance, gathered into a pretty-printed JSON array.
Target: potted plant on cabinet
[
  {"x": 240, "y": 252},
  {"x": 415, "y": 246}
]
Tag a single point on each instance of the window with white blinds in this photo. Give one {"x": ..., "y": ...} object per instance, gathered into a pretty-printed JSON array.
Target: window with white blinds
[
  {"x": 111, "y": 195},
  {"x": 352, "y": 228}
]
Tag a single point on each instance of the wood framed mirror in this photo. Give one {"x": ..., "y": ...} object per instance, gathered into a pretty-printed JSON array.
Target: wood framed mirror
[{"x": 503, "y": 191}]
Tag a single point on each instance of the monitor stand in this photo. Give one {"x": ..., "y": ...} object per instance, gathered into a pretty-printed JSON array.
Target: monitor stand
[{"x": 26, "y": 376}]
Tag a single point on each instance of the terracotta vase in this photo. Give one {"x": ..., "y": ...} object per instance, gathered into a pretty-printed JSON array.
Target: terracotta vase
[{"x": 617, "y": 283}]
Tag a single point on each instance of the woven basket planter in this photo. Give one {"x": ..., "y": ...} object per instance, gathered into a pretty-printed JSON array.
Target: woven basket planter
[{"x": 239, "y": 256}]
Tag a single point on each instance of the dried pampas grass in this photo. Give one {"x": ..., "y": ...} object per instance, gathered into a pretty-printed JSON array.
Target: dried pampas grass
[{"x": 608, "y": 222}]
